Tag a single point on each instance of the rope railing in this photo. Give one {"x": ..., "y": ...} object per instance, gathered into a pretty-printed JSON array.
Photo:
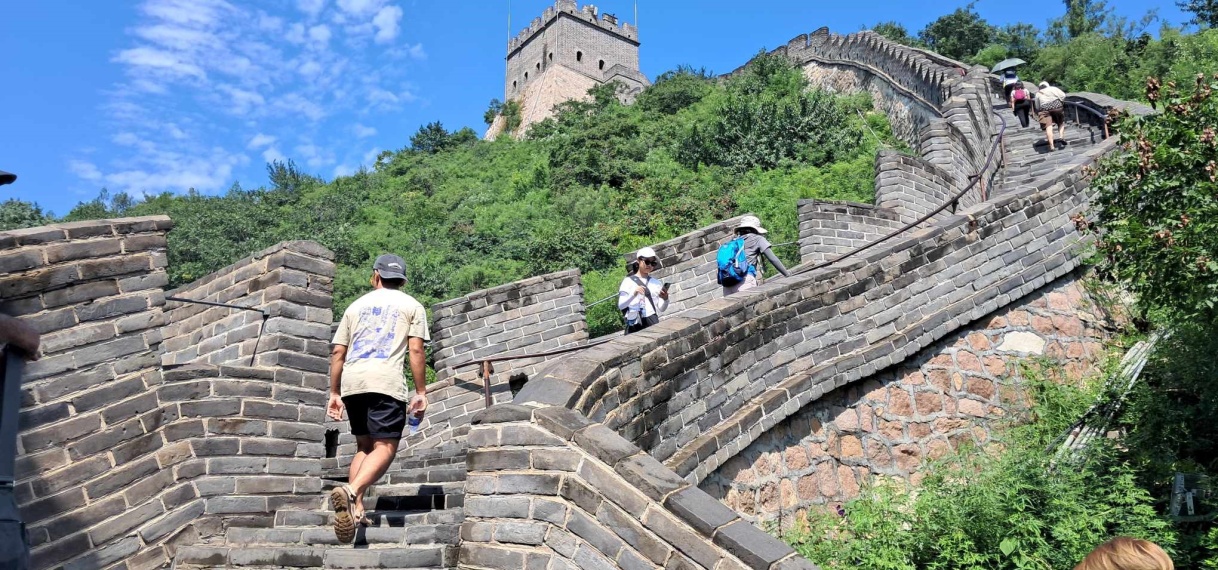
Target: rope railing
[{"x": 487, "y": 364}]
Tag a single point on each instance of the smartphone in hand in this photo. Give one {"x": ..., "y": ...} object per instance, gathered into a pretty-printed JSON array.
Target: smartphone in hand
[{"x": 664, "y": 288}]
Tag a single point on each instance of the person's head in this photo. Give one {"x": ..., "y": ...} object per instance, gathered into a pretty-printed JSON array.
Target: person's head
[
  {"x": 389, "y": 272},
  {"x": 1043, "y": 85},
  {"x": 1124, "y": 553},
  {"x": 647, "y": 261},
  {"x": 749, "y": 225}
]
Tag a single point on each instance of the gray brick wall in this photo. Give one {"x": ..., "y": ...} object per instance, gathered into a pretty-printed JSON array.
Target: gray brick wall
[
  {"x": 547, "y": 488},
  {"x": 910, "y": 186},
  {"x": 828, "y": 229},
  {"x": 698, "y": 387},
  {"x": 291, "y": 281},
  {"x": 575, "y": 37}
]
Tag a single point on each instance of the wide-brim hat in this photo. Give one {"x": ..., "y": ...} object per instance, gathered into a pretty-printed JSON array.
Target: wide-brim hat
[{"x": 751, "y": 222}]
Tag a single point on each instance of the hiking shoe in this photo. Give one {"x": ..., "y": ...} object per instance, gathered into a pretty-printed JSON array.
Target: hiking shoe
[{"x": 344, "y": 524}]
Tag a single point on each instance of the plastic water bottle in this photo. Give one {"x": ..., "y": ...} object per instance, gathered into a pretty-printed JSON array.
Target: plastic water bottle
[{"x": 414, "y": 420}]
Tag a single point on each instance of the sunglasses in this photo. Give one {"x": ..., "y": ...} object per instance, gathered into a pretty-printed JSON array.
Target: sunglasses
[{"x": 649, "y": 260}]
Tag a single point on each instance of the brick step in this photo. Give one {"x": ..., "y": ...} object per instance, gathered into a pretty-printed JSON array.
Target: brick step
[
  {"x": 412, "y": 557},
  {"x": 442, "y": 473},
  {"x": 383, "y": 518},
  {"x": 371, "y": 536},
  {"x": 408, "y": 489}
]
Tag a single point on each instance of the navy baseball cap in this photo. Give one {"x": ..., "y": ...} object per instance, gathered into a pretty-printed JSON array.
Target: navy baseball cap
[{"x": 390, "y": 266}]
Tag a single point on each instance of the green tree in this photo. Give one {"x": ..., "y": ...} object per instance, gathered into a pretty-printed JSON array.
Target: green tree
[
  {"x": 959, "y": 34},
  {"x": 431, "y": 138},
  {"x": 676, "y": 90},
  {"x": 1021, "y": 40},
  {"x": 16, "y": 214},
  {"x": 1205, "y": 12},
  {"x": 1158, "y": 203},
  {"x": 896, "y": 32}
]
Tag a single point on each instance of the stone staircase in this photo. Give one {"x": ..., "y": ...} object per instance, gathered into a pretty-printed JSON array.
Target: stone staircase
[
  {"x": 416, "y": 513},
  {"x": 1027, "y": 153}
]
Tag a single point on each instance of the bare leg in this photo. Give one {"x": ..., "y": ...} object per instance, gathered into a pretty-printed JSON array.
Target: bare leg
[
  {"x": 373, "y": 465},
  {"x": 1049, "y": 135},
  {"x": 363, "y": 446}
]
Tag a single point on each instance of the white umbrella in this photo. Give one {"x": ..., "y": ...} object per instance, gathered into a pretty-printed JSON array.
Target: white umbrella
[{"x": 1007, "y": 64}]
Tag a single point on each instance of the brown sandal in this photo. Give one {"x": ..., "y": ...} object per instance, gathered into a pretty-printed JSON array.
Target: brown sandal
[{"x": 344, "y": 525}]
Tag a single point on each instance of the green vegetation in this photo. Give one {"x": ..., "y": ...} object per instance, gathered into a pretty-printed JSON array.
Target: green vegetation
[
  {"x": 1088, "y": 48},
  {"x": 1004, "y": 507},
  {"x": 578, "y": 190}
]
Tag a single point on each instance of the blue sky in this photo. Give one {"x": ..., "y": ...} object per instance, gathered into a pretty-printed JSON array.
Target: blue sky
[{"x": 154, "y": 95}]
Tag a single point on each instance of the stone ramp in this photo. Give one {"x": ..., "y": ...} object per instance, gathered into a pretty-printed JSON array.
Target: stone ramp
[{"x": 1028, "y": 157}]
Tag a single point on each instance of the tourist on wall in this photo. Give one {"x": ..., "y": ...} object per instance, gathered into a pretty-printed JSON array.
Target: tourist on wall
[
  {"x": 1021, "y": 104},
  {"x": 1009, "y": 80},
  {"x": 641, "y": 297},
  {"x": 739, "y": 260},
  {"x": 371, "y": 345},
  {"x": 1124, "y": 553},
  {"x": 1051, "y": 109}
]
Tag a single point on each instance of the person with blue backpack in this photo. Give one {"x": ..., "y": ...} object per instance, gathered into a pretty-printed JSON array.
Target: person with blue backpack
[
  {"x": 641, "y": 297},
  {"x": 739, "y": 260}
]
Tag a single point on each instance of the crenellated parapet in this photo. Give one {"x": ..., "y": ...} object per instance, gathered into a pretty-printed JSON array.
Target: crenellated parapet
[{"x": 587, "y": 13}]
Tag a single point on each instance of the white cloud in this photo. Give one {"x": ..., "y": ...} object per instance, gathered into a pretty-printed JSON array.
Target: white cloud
[
  {"x": 359, "y": 8},
  {"x": 85, "y": 170},
  {"x": 344, "y": 170},
  {"x": 320, "y": 34},
  {"x": 158, "y": 62},
  {"x": 311, "y": 7},
  {"x": 386, "y": 22},
  {"x": 370, "y": 156},
  {"x": 260, "y": 140},
  {"x": 272, "y": 154},
  {"x": 208, "y": 81}
]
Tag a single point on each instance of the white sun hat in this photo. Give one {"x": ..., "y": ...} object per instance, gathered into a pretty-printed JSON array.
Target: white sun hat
[
  {"x": 645, "y": 252},
  {"x": 751, "y": 222}
]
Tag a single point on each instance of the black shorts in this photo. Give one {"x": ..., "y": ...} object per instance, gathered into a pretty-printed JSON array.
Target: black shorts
[{"x": 375, "y": 415}]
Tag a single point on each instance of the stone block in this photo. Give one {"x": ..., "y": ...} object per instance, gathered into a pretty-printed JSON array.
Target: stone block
[
  {"x": 700, "y": 510},
  {"x": 604, "y": 444},
  {"x": 649, "y": 476},
  {"x": 688, "y": 542},
  {"x": 752, "y": 546}
]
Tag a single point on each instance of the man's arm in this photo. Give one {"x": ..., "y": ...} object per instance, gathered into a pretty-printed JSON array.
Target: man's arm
[
  {"x": 418, "y": 369},
  {"x": 338, "y": 355}
]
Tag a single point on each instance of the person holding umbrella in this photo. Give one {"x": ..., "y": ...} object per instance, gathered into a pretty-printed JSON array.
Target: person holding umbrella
[{"x": 1010, "y": 79}]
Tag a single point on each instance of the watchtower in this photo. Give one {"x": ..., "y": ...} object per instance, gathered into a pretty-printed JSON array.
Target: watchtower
[{"x": 565, "y": 52}]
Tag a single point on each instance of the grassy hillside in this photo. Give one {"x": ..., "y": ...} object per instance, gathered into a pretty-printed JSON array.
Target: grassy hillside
[{"x": 578, "y": 190}]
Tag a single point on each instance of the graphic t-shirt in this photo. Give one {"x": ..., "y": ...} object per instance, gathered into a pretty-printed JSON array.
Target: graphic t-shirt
[{"x": 374, "y": 329}]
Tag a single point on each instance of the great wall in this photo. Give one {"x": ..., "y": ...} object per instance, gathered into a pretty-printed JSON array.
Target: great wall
[{"x": 156, "y": 433}]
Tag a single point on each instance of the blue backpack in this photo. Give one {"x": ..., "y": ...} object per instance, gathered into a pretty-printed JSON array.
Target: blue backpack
[{"x": 733, "y": 263}]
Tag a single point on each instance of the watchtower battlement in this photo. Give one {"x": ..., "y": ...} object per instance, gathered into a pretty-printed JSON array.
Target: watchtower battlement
[
  {"x": 587, "y": 13},
  {"x": 597, "y": 47}
]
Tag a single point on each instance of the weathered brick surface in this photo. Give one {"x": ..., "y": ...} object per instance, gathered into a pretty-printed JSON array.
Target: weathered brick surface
[
  {"x": 150, "y": 470},
  {"x": 285, "y": 281},
  {"x": 954, "y": 391},
  {"x": 598, "y": 518},
  {"x": 694, "y": 394}
]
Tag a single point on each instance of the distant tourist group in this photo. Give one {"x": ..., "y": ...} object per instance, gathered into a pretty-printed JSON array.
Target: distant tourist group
[{"x": 642, "y": 298}]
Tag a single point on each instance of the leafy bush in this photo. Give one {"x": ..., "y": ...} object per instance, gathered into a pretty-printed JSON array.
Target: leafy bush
[
  {"x": 1006, "y": 507},
  {"x": 1158, "y": 204}
]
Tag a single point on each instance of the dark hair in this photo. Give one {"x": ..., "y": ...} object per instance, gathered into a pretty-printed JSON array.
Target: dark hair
[
  {"x": 392, "y": 283},
  {"x": 632, "y": 268},
  {"x": 743, "y": 231}
]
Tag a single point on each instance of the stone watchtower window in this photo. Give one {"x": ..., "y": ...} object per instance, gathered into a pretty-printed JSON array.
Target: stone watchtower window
[
  {"x": 526, "y": 76},
  {"x": 601, "y": 65},
  {"x": 539, "y": 65},
  {"x": 513, "y": 85},
  {"x": 551, "y": 56},
  {"x": 579, "y": 56}
]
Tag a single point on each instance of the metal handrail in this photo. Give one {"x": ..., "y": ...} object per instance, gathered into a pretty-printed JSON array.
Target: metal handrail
[
  {"x": 262, "y": 326},
  {"x": 975, "y": 179},
  {"x": 1101, "y": 116},
  {"x": 487, "y": 363}
]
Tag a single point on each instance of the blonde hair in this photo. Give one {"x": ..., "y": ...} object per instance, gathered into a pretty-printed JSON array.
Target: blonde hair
[{"x": 1124, "y": 553}]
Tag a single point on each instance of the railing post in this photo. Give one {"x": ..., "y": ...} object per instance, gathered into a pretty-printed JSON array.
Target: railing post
[{"x": 486, "y": 380}]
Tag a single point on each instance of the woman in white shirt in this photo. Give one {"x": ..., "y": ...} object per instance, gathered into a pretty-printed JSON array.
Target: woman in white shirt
[{"x": 641, "y": 297}]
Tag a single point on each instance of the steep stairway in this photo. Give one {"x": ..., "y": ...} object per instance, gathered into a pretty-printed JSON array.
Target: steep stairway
[
  {"x": 1028, "y": 157},
  {"x": 416, "y": 512}
]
